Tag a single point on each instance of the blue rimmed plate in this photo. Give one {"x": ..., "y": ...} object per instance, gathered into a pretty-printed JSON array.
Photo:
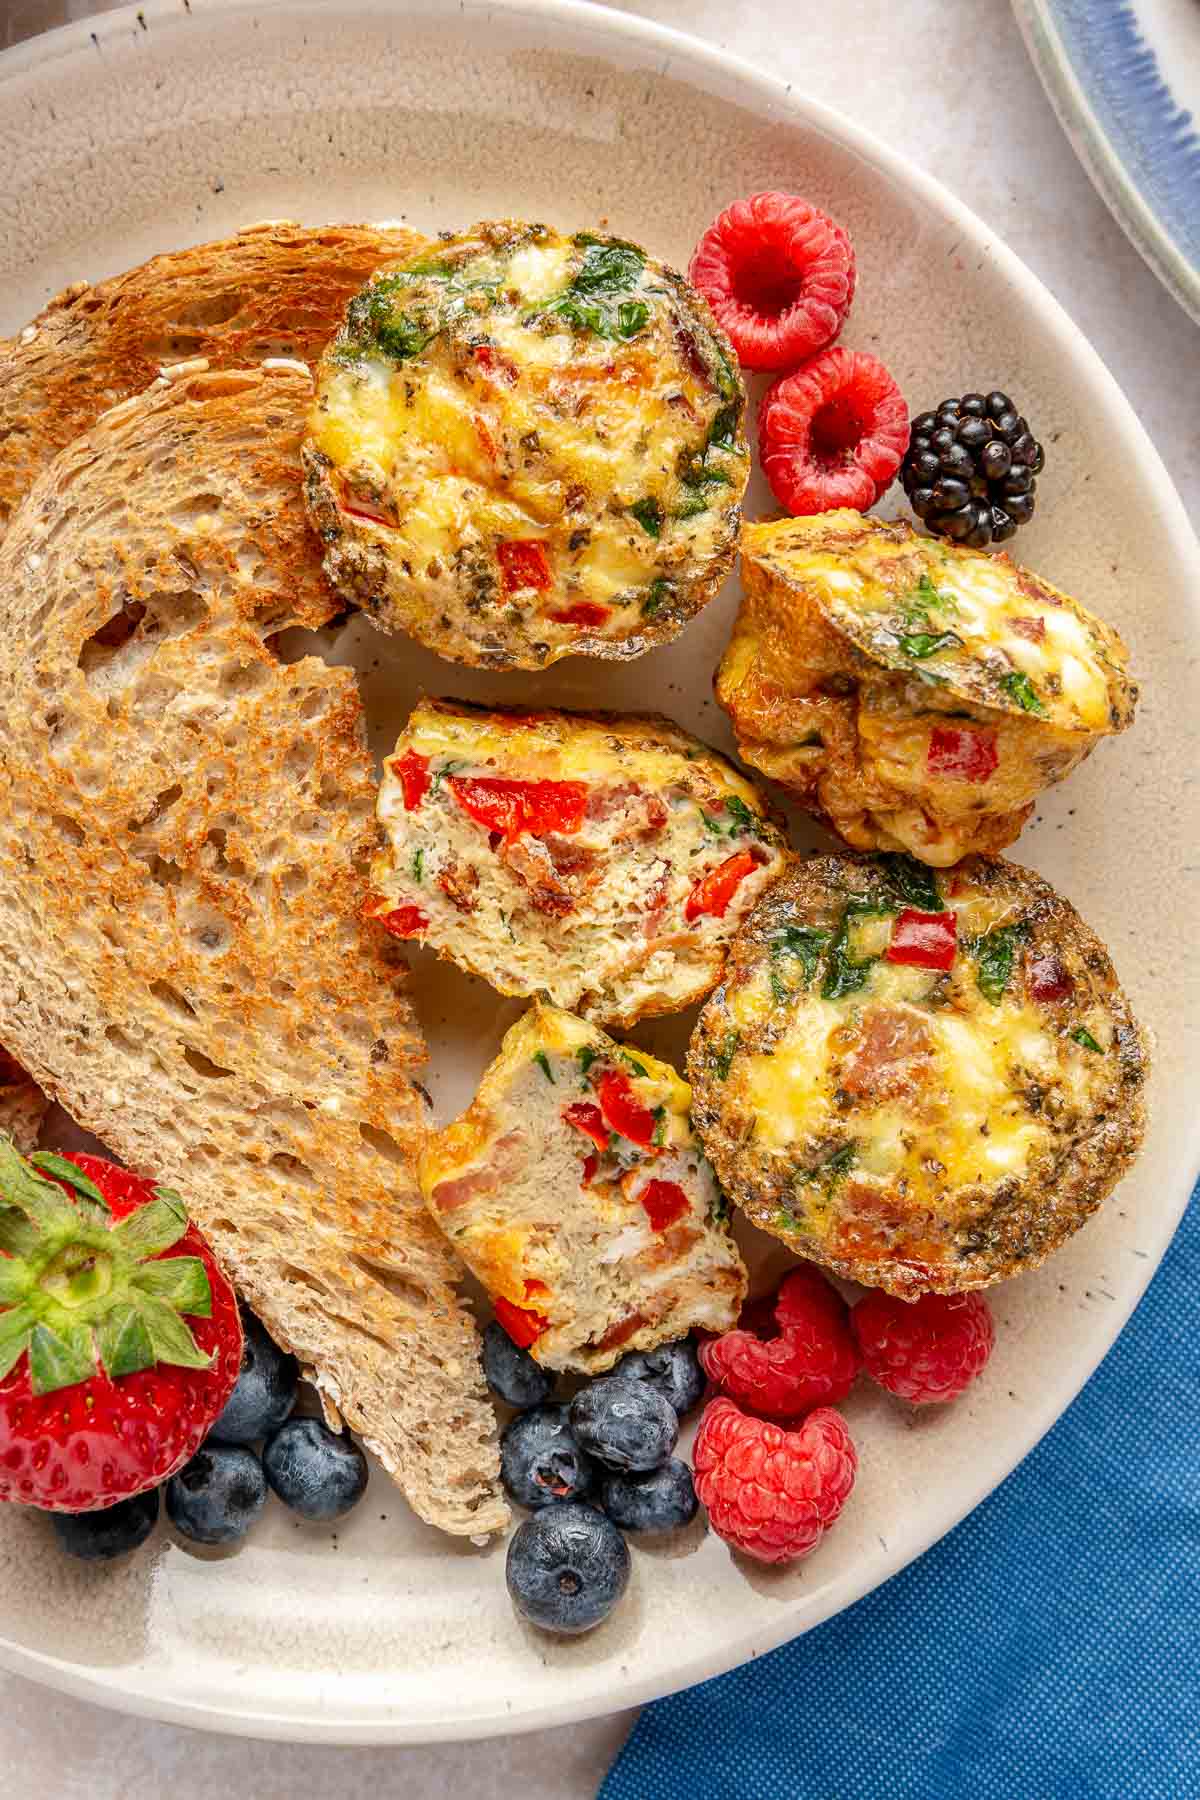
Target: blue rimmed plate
[{"x": 1124, "y": 79}]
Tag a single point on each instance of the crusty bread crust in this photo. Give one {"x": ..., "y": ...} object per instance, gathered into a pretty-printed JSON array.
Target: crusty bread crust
[
  {"x": 276, "y": 289},
  {"x": 185, "y": 821}
]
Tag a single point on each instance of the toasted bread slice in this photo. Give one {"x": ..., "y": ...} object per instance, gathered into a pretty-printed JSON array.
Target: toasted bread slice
[
  {"x": 187, "y": 822},
  {"x": 272, "y": 290}
]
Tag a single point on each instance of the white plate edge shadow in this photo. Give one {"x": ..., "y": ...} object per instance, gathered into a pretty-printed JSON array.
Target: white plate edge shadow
[{"x": 732, "y": 77}]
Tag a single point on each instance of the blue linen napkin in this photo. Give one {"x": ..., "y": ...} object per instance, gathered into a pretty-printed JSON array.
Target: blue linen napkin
[{"x": 1046, "y": 1649}]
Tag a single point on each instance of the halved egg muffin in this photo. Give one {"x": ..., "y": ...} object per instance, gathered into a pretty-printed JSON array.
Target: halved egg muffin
[
  {"x": 925, "y": 1081},
  {"x": 915, "y": 694},
  {"x": 604, "y": 860},
  {"x": 574, "y": 1188},
  {"x": 525, "y": 446}
]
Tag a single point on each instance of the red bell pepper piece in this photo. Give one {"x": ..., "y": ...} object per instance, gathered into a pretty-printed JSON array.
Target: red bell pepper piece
[
  {"x": 713, "y": 892},
  {"x": 413, "y": 771},
  {"x": 404, "y": 921},
  {"x": 487, "y": 442},
  {"x": 496, "y": 363},
  {"x": 523, "y": 564},
  {"x": 511, "y": 807},
  {"x": 623, "y": 1110},
  {"x": 523, "y": 1325},
  {"x": 591, "y": 1163},
  {"x": 664, "y": 1201},
  {"x": 587, "y": 1118},
  {"x": 583, "y": 612},
  {"x": 964, "y": 755},
  {"x": 927, "y": 940},
  {"x": 1047, "y": 979}
]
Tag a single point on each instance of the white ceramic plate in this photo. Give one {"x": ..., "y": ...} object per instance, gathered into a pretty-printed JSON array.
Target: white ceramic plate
[
  {"x": 1124, "y": 78},
  {"x": 153, "y": 134}
]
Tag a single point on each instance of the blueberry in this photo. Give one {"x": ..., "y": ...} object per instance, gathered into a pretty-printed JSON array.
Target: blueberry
[
  {"x": 265, "y": 1391},
  {"x": 511, "y": 1372},
  {"x": 624, "y": 1424},
  {"x": 673, "y": 1370},
  {"x": 112, "y": 1531},
  {"x": 541, "y": 1462},
  {"x": 660, "y": 1500},
  {"x": 216, "y": 1497},
  {"x": 567, "y": 1568},
  {"x": 320, "y": 1474}
]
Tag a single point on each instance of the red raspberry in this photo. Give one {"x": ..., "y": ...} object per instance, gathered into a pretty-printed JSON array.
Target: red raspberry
[
  {"x": 925, "y": 1350},
  {"x": 779, "y": 275},
  {"x": 799, "y": 1352},
  {"x": 832, "y": 433},
  {"x": 771, "y": 1492}
]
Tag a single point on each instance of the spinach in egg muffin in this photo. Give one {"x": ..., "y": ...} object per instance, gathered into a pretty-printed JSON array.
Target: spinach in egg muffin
[{"x": 526, "y": 445}]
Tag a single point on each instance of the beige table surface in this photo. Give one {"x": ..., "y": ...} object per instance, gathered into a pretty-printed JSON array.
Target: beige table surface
[{"x": 948, "y": 83}]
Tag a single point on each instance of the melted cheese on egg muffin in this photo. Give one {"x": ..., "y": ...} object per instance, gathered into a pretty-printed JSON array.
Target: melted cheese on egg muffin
[
  {"x": 922, "y": 1081},
  {"x": 525, "y": 445},
  {"x": 917, "y": 694}
]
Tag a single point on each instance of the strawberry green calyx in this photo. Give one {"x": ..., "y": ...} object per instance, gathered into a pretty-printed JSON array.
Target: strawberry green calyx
[{"x": 79, "y": 1290}]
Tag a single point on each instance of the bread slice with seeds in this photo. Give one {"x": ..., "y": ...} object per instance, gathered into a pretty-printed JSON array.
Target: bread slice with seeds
[{"x": 186, "y": 822}]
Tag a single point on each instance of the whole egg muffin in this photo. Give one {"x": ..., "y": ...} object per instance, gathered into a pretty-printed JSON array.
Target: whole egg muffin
[
  {"x": 525, "y": 446},
  {"x": 926, "y": 1081},
  {"x": 914, "y": 694}
]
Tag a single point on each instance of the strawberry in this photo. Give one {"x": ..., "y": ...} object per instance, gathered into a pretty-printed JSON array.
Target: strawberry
[{"x": 120, "y": 1340}]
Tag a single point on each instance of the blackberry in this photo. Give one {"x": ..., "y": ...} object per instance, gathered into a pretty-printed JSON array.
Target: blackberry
[{"x": 970, "y": 469}]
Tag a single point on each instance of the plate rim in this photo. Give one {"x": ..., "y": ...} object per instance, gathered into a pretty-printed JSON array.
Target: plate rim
[
  {"x": 1102, "y": 160},
  {"x": 733, "y": 75}
]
